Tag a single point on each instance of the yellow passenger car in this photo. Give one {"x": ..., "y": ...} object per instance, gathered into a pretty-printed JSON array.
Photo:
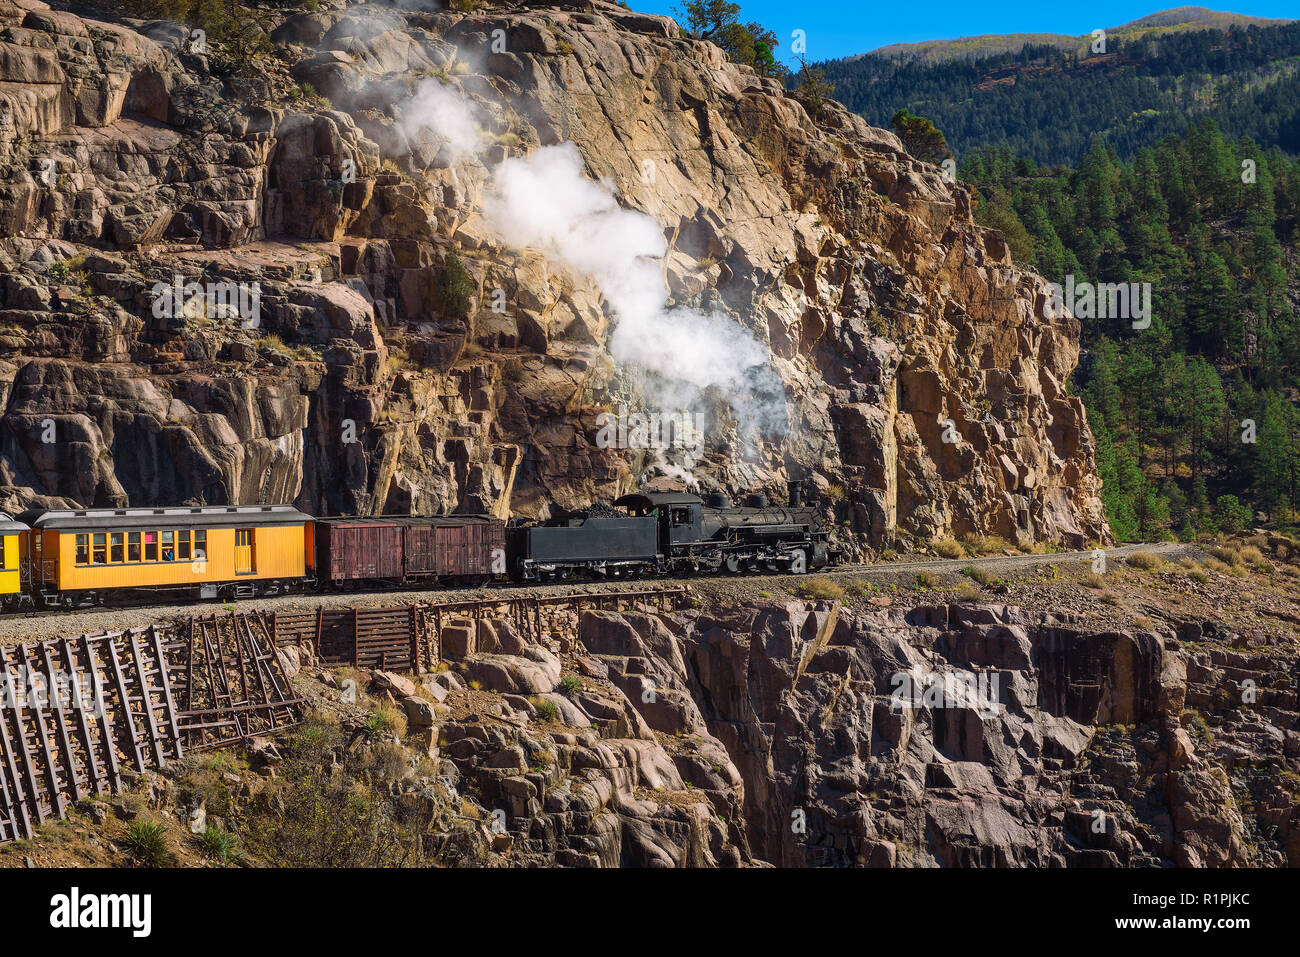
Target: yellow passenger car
[
  {"x": 81, "y": 556},
  {"x": 13, "y": 537}
]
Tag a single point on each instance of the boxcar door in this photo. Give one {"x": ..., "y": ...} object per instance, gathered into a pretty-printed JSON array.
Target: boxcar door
[
  {"x": 244, "y": 546},
  {"x": 420, "y": 551},
  {"x": 452, "y": 548}
]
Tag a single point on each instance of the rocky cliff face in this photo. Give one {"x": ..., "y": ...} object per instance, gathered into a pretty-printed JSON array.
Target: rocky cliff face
[
  {"x": 365, "y": 378},
  {"x": 810, "y": 735}
]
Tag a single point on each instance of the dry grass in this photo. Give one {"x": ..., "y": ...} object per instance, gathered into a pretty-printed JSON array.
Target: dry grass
[
  {"x": 859, "y": 588},
  {"x": 967, "y": 592},
  {"x": 1041, "y": 548},
  {"x": 386, "y": 719},
  {"x": 387, "y": 762},
  {"x": 1253, "y": 557},
  {"x": 273, "y": 343},
  {"x": 1216, "y": 566},
  {"x": 1226, "y": 554},
  {"x": 546, "y": 710},
  {"x": 1093, "y": 580},
  {"x": 948, "y": 548},
  {"x": 985, "y": 544},
  {"x": 1145, "y": 560},
  {"x": 977, "y": 575},
  {"x": 819, "y": 587}
]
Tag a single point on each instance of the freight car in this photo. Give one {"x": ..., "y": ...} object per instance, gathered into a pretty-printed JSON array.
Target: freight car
[{"x": 391, "y": 550}]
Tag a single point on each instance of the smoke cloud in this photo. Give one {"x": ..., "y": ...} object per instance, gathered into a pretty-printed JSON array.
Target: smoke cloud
[
  {"x": 545, "y": 202},
  {"x": 684, "y": 358},
  {"x": 439, "y": 116}
]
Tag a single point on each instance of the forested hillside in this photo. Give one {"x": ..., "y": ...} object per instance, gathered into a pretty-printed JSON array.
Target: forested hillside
[
  {"x": 1196, "y": 416},
  {"x": 1048, "y": 104}
]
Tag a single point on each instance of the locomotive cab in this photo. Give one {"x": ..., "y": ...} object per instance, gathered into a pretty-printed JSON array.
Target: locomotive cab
[
  {"x": 680, "y": 516},
  {"x": 682, "y": 524}
]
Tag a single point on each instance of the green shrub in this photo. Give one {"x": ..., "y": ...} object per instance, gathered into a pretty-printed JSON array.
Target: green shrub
[
  {"x": 146, "y": 841},
  {"x": 1230, "y": 514},
  {"x": 217, "y": 844},
  {"x": 456, "y": 287},
  {"x": 570, "y": 684},
  {"x": 385, "y": 720},
  {"x": 323, "y": 820}
]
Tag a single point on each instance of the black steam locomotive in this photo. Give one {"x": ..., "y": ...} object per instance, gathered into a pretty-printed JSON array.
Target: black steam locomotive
[{"x": 674, "y": 533}]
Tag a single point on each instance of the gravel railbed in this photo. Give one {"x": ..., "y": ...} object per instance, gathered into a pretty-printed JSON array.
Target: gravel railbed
[{"x": 720, "y": 590}]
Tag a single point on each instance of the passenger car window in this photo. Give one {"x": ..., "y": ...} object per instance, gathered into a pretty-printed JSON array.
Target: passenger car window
[
  {"x": 183, "y": 546},
  {"x": 83, "y": 549},
  {"x": 168, "y": 546},
  {"x": 99, "y": 556},
  {"x": 151, "y": 546},
  {"x": 115, "y": 553},
  {"x": 132, "y": 546}
]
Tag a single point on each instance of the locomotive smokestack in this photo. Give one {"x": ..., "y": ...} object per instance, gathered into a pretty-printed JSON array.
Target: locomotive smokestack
[{"x": 795, "y": 489}]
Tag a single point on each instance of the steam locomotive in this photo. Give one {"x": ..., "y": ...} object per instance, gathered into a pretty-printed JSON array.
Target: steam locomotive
[
  {"x": 83, "y": 557},
  {"x": 673, "y": 533}
]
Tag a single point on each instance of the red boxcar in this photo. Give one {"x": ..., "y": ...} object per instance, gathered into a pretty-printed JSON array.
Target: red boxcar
[{"x": 410, "y": 548}]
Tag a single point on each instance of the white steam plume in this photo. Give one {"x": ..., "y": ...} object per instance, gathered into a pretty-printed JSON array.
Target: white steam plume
[
  {"x": 544, "y": 201},
  {"x": 439, "y": 115}
]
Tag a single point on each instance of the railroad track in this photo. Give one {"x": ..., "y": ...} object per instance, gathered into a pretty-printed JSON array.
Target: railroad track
[
  {"x": 1048, "y": 558},
  {"x": 597, "y": 587}
]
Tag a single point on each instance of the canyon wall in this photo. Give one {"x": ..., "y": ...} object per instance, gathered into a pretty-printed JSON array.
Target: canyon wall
[{"x": 924, "y": 392}]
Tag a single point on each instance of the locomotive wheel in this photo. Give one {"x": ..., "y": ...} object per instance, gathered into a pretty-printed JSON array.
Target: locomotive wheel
[{"x": 733, "y": 564}]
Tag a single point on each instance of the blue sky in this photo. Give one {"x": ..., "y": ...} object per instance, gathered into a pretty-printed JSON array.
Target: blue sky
[{"x": 838, "y": 28}]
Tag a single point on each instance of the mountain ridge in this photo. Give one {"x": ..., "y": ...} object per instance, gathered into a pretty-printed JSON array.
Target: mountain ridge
[{"x": 991, "y": 44}]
